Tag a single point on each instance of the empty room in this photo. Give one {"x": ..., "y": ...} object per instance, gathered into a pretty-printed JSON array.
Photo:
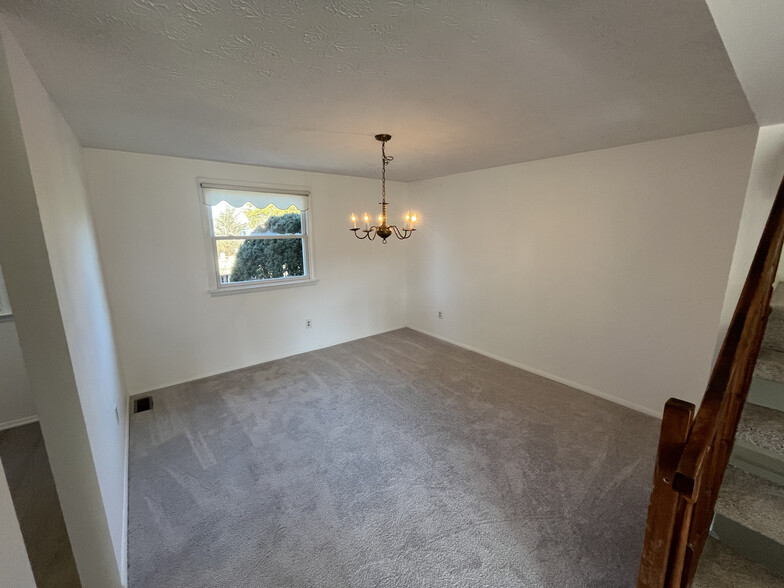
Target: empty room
[{"x": 391, "y": 293}]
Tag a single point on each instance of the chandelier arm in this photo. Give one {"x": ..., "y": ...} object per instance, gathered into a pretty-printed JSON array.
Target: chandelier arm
[{"x": 402, "y": 234}]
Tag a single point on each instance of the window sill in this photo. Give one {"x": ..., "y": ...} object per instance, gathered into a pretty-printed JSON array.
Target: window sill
[
  {"x": 227, "y": 290},
  {"x": 6, "y": 318}
]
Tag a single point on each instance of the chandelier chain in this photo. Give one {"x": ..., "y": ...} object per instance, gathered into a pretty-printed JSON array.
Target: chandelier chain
[{"x": 384, "y": 161}]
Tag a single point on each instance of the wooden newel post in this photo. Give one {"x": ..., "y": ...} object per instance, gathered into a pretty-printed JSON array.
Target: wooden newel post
[{"x": 666, "y": 508}]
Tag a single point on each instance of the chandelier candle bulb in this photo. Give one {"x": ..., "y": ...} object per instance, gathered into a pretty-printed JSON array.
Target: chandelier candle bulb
[{"x": 354, "y": 221}]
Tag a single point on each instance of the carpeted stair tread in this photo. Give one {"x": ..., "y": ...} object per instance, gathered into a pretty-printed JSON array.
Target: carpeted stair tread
[
  {"x": 770, "y": 365},
  {"x": 753, "y": 502},
  {"x": 777, "y": 300},
  {"x": 774, "y": 333},
  {"x": 762, "y": 428},
  {"x": 721, "y": 567}
]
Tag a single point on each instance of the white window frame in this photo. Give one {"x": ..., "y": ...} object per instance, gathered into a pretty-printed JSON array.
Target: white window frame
[{"x": 210, "y": 240}]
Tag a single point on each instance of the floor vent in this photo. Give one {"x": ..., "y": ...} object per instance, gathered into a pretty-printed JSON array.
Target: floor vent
[{"x": 142, "y": 404}]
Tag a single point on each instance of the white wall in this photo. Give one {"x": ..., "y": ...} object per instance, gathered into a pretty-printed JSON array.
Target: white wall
[
  {"x": 49, "y": 258},
  {"x": 766, "y": 173},
  {"x": 14, "y": 564},
  {"x": 17, "y": 403},
  {"x": 753, "y": 34},
  {"x": 170, "y": 329},
  {"x": 605, "y": 270}
]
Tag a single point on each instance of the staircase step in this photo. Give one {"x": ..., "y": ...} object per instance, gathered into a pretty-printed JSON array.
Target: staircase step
[
  {"x": 774, "y": 333},
  {"x": 750, "y": 518},
  {"x": 755, "y": 503},
  {"x": 763, "y": 428},
  {"x": 721, "y": 567},
  {"x": 761, "y": 463},
  {"x": 759, "y": 443},
  {"x": 770, "y": 365},
  {"x": 766, "y": 393},
  {"x": 777, "y": 300}
]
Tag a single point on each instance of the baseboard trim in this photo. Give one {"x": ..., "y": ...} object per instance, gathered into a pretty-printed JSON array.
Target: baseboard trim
[
  {"x": 204, "y": 376},
  {"x": 18, "y": 422},
  {"x": 124, "y": 544},
  {"x": 592, "y": 391}
]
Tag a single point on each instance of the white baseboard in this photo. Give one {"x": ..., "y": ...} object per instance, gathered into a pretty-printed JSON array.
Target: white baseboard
[
  {"x": 18, "y": 422},
  {"x": 554, "y": 378},
  {"x": 210, "y": 374},
  {"x": 124, "y": 543}
]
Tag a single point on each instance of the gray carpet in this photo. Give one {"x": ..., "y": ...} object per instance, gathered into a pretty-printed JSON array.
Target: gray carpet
[
  {"x": 396, "y": 460},
  {"x": 38, "y": 507}
]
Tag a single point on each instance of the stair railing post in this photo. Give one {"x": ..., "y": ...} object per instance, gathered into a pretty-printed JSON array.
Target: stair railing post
[{"x": 666, "y": 510}]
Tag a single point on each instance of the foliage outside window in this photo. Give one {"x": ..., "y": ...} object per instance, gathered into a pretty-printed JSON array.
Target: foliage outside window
[{"x": 257, "y": 237}]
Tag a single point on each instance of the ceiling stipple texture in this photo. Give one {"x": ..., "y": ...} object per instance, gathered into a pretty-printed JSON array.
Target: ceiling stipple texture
[{"x": 305, "y": 84}]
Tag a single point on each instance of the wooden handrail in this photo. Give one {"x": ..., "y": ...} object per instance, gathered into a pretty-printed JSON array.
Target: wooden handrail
[{"x": 694, "y": 450}]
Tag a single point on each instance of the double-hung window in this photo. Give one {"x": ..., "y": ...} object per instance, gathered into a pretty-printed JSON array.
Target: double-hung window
[{"x": 257, "y": 237}]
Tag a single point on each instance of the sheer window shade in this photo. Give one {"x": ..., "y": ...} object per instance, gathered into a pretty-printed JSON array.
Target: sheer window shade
[{"x": 237, "y": 197}]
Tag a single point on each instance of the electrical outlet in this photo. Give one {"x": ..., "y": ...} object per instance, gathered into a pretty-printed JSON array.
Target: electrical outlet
[
  {"x": 308, "y": 323},
  {"x": 440, "y": 314}
]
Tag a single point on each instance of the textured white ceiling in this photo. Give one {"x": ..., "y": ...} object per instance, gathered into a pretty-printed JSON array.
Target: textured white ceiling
[{"x": 305, "y": 84}]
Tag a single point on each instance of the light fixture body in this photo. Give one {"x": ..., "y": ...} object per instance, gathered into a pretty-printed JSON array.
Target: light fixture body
[{"x": 383, "y": 230}]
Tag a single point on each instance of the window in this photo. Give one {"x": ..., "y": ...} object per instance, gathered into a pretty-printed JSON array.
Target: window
[
  {"x": 5, "y": 306},
  {"x": 257, "y": 237}
]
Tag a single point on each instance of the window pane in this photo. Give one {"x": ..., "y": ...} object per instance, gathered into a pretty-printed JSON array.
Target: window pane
[
  {"x": 263, "y": 259},
  {"x": 247, "y": 219},
  {"x": 227, "y": 255}
]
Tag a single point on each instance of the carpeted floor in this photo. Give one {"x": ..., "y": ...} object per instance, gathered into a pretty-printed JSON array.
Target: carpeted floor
[{"x": 396, "y": 460}]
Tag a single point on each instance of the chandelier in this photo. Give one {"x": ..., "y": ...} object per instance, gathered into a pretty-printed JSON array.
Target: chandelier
[{"x": 383, "y": 230}]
